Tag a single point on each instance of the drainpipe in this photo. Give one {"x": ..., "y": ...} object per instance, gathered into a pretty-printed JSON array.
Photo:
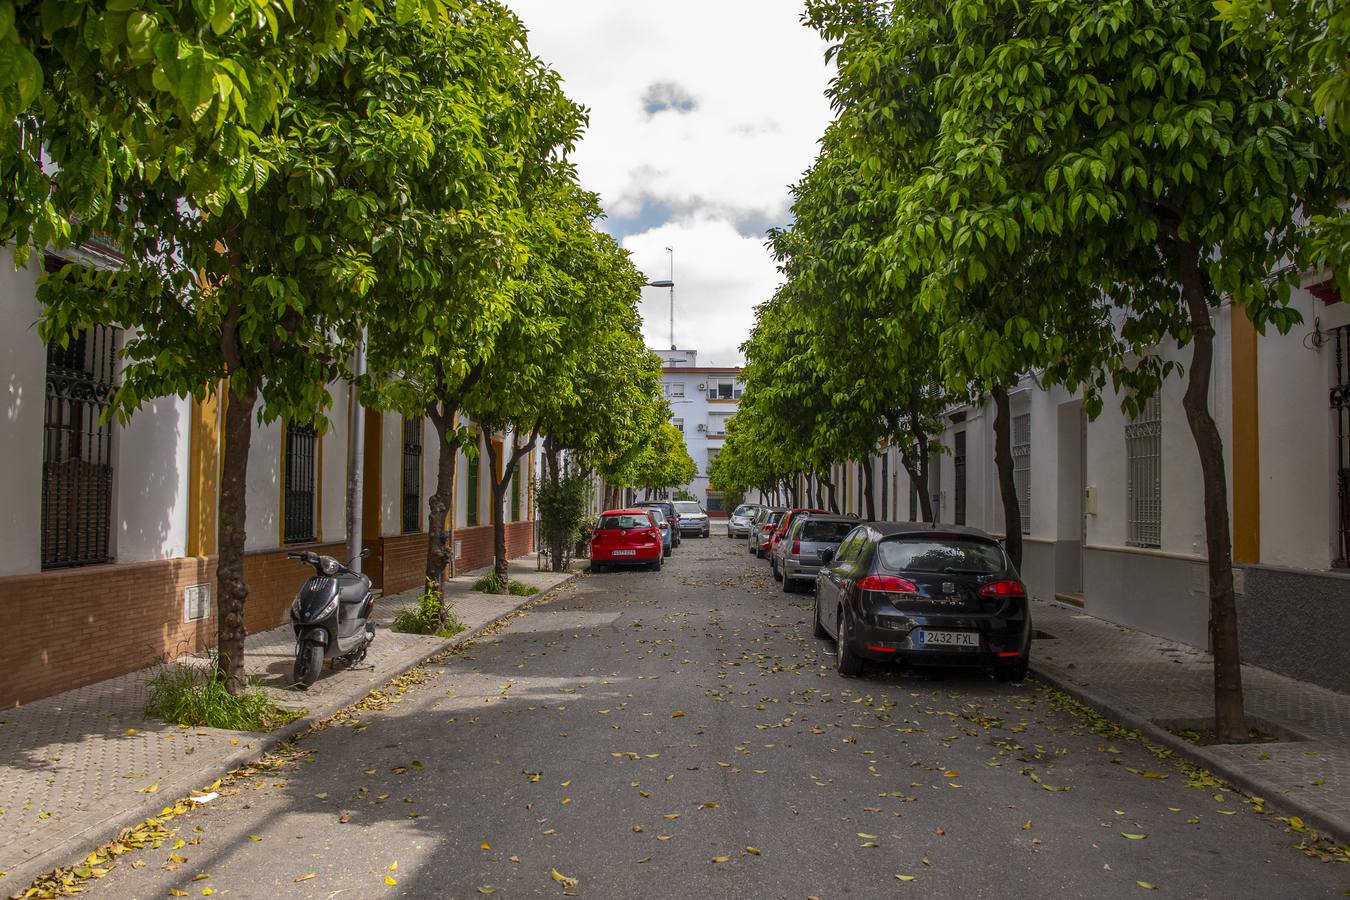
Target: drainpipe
[{"x": 356, "y": 455}]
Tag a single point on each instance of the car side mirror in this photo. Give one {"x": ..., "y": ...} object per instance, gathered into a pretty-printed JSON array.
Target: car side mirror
[{"x": 826, "y": 555}]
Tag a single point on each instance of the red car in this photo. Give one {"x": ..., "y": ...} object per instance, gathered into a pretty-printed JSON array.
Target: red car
[
  {"x": 783, "y": 525},
  {"x": 626, "y": 537}
]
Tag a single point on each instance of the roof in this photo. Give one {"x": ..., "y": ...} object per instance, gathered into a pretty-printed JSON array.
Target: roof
[{"x": 703, "y": 370}]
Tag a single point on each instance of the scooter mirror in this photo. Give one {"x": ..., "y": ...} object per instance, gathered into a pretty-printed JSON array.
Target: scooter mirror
[{"x": 365, "y": 552}]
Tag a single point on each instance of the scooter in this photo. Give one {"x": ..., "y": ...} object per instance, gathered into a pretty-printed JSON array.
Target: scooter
[{"x": 331, "y": 616}]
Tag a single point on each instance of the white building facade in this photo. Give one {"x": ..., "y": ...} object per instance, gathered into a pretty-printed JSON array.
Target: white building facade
[
  {"x": 702, "y": 399},
  {"x": 1112, "y": 509}
]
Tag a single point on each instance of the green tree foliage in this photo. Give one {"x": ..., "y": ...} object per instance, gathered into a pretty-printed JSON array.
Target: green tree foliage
[
  {"x": 663, "y": 461},
  {"x": 266, "y": 292},
  {"x": 1084, "y": 147}
]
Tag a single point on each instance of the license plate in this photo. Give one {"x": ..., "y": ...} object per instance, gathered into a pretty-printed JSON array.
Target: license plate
[
  {"x": 625, "y": 553},
  {"x": 949, "y": 639}
]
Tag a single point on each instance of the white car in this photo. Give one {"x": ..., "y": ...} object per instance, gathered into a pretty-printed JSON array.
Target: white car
[
  {"x": 738, "y": 525},
  {"x": 693, "y": 520}
]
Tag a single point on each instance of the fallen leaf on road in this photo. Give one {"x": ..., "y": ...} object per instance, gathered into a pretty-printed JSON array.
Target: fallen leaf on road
[
  {"x": 721, "y": 859},
  {"x": 390, "y": 879},
  {"x": 485, "y": 846},
  {"x": 753, "y": 851},
  {"x": 1146, "y": 886},
  {"x": 1132, "y": 837},
  {"x": 677, "y": 714},
  {"x": 487, "y": 889},
  {"x": 255, "y": 837},
  {"x": 306, "y": 877},
  {"x": 562, "y": 879},
  {"x": 904, "y": 877}
]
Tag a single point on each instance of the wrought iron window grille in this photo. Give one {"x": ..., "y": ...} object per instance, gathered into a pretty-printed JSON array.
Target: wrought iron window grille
[
  {"x": 299, "y": 491},
  {"x": 1143, "y": 488}
]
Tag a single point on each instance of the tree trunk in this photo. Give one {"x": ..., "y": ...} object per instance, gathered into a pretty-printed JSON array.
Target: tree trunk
[
  {"x": 1007, "y": 486},
  {"x": 796, "y": 492},
  {"x": 868, "y": 497},
  {"x": 554, "y": 537},
  {"x": 440, "y": 534},
  {"x": 833, "y": 494},
  {"x": 497, "y": 485},
  {"x": 917, "y": 469},
  {"x": 231, "y": 589},
  {"x": 1230, "y": 718}
]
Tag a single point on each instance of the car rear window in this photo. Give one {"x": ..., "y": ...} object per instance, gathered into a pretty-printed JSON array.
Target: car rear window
[
  {"x": 687, "y": 506},
  {"x": 940, "y": 555},
  {"x": 658, "y": 514},
  {"x": 743, "y": 510},
  {"x": 832, "y": 532},
  {"x": 609, "y": 523},
  {"x": 776, "y": 516}
]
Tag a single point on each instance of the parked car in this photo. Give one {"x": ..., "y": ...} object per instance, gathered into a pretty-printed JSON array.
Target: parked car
[
  {"x": 693, "y": 520},
  {"x": 671, "y": 515},
  {"x": 923, "y": 595},
  {"x": 626, "y": 537},
  {"x": 801, "y": 549},
  {"x": 765, "y": 523},
  {"x": 664, "y": 524},
  {"x": 738, "y": 523},
  {"x": 781, "y": 529}
]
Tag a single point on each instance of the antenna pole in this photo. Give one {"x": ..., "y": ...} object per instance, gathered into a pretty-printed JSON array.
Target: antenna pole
[{"x": 672, "y": 297}]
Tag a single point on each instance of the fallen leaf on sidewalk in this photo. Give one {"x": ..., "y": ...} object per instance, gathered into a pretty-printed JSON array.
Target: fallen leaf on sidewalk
[{"x": 149, "y": 789}]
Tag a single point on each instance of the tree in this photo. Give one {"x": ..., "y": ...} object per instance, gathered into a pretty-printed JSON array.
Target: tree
[
  {"x": 1116, "y": 144},
  {"x": 265, "y": 292},
  {"x": 664, "y": 462},
  {"x": 508, "y": 131}
]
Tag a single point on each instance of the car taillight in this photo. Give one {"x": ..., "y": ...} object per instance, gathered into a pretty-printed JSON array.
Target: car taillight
[
  {"x": 887, "y": 584},
  {"x": 796, "y": 546},
  {"x": 1007, "y": 587}
]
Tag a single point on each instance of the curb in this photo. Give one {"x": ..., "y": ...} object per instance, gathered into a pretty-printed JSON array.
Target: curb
[
  {"x": 1334, "y": 826},
  {"x": 69, "y": 851}
]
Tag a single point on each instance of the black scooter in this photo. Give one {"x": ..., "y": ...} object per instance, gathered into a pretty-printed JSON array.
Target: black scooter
[{"x": 331, "y": 616}]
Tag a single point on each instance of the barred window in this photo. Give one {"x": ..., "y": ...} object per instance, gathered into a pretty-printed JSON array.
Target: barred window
[
  {"x": 516, "y": 482},
  {"x": 77, "y": 472},
  {"x": 1021, "y": 454},
  {"x": 301, "y": 456},
  {"x": 1143, "y": 490},
  {"x": 412, "y": 474}
]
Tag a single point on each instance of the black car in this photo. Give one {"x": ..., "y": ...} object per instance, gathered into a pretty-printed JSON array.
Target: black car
[
  {"x": 923, "y": 595},
  {"x": 671, "y": 516}
]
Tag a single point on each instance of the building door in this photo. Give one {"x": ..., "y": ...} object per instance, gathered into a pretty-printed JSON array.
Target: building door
[
  {"x": 959, "y": 479},
  {"x": 935, "y": 485}
]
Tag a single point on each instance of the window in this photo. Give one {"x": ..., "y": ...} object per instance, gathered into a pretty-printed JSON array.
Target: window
[
  {"x": 717, "y": 424},
  {"x": 678, "y": 423},
  {"x": 1021, "y": 454},
  {"x": 516, "y": 482},
  {"x": 715, "y": 500},
  {"x": 77, "y": 470},
  {"x": 959, "y": 462},
  {"x": 724, "y": 389},
  {"x": 1143, "y": 488},
  {"x": 924, "y": 555},
  {"x": 675, "y": 389},
  {"x": 1340, "y": 403},
  {"x": 301, "y": 454},
  {"x": 471, "y": 489},
  {"x": 412, "y": 474},
  {"x": 913, "y": 502}
]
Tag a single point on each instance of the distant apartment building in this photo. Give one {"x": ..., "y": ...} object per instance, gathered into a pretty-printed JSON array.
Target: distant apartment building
[{"x": 702, "y": 399}]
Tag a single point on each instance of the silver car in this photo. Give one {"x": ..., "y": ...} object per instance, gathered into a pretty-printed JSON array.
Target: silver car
[
  {"x": 738, "y": 525},
  {"x": 799, "y": 552},
  {"x": 761, "y": 528},
  {"x": 693, "y": 520}
]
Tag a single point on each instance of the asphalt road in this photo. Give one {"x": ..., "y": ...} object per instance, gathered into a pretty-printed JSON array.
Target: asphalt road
[{"x": 682, "y": 735}]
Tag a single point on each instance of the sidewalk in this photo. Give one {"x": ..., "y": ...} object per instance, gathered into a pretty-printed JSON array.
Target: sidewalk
[
  {"x": 78, "y": 767},
  {"x": 1140, "y": 680}
]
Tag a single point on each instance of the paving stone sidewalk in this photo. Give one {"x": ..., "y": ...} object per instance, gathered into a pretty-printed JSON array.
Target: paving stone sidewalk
[
  {"x": 1141, "y": 680},
  {"x": 77, "y": 767}
]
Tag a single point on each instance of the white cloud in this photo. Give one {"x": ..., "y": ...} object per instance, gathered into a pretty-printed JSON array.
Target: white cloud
[{"x": 743, "y": 85}]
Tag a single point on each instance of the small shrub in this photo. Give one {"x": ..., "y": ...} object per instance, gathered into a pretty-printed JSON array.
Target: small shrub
[
  {"x": 489, "y": 584},
  {"x": 428, "y": 615},
  {"x": 194, "y": 697},
  {"x": 521, "y": 589}
]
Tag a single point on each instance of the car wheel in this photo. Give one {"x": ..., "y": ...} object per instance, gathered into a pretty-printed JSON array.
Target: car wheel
[
  {"x": 666, "y": 552},
  {"x": 817, "y": 629},
  {"x": 597, "y": 567},
  {"x": 777, "y": 575},
  {"x": 849, "y": 664},
  {"x": 1016, "y": 673},
  {"x": 789, "y": 586},
  {"x": 655, "y": 565}
]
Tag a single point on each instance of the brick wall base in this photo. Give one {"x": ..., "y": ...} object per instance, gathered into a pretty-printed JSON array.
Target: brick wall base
[{"x": 72, "y": 627}]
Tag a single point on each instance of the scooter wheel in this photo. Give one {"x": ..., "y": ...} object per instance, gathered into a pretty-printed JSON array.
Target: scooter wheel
[{"x": 308, "y": 664}]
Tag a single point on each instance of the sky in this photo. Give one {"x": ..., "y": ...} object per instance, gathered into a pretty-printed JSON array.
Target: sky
[{"x": 702, "y": 114}]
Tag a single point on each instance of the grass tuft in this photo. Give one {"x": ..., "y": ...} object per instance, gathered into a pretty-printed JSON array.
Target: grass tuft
[
  {"x": 193, "y": 697},
  {"x": 489, "y": 584},
  {"x": 521, "y": 589},
  {"x": 431, "y": 615}
]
